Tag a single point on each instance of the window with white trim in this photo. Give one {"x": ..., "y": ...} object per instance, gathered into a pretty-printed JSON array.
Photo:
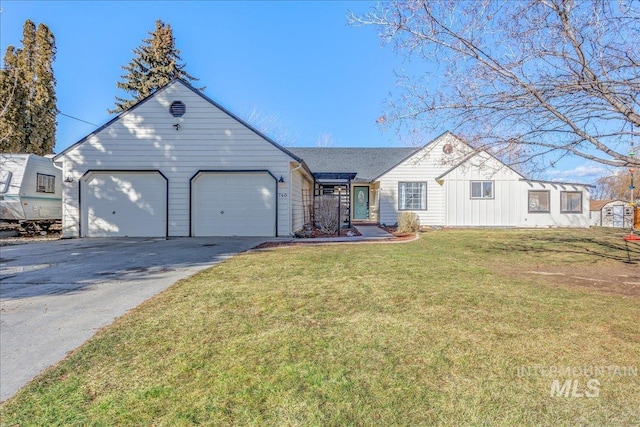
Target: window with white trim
[
  {"x": 412, "y": 196},
  {"x": 46, "y": 183},
  {"x": 482, "y": 189},
  {"x": 539, "y": 202},
  {"x": 571, "y": 201}
]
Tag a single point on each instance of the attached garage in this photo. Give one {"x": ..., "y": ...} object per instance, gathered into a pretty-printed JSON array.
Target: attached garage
[
  {"x": 233, "y": 203},
  {"x": 177, "y": 164},
  {"x": 123, "y": 204}
]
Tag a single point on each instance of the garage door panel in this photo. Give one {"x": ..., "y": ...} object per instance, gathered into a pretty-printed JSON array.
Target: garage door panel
[
  {"x": 118, "y": 204},
  {"x": 234, "y": 204}
]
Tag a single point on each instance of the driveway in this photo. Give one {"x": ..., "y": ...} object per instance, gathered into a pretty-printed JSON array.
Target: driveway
[{"x": 55, "y": 295}]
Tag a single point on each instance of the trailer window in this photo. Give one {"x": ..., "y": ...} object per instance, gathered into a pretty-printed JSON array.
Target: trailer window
[
  {"x": 46, "y": 183},
  {"x": 5, "y": 180}
]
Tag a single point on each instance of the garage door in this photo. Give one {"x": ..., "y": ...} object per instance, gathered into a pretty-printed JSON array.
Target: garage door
[
  {"x": 119, "y": 204},
  {"x": 233, "y": 204}
]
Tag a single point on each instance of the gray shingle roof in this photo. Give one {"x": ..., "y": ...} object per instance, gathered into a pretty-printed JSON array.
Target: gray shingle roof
[{"x": 368, "y": 163}]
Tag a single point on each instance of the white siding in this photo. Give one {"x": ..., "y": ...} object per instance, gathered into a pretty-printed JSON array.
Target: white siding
[
  {"x": 299, "y": 182},
  {"x": 449, "y": 201},
  {"x": 145, "y": 139},
  {"x": 504, "y": 209},
  {"x": 554, "y": 218},
  {"x": 424, "y": 166}
]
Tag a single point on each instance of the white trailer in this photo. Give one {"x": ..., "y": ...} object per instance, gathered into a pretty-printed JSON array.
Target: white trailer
[{"x": 30, "y": 191}]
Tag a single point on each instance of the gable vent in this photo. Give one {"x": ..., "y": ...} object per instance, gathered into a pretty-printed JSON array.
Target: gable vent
[{"x": 177, "y": 109}]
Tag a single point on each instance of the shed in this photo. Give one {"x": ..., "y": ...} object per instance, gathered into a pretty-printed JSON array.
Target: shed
[{"x": 611, "y": 213}]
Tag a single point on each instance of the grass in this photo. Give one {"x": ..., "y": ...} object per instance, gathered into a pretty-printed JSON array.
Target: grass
[{"x": 431, "y": 332}]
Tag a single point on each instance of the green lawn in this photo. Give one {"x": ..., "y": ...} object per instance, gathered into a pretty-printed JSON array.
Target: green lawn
[{"x": 432, "y": 332}]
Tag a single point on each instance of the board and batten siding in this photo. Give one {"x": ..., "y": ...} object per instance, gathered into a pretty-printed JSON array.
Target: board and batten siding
[
  {"x": 423, "y": 166},
  {"x": 503, "y": 209},
  {"x": 145, "y": 138}
]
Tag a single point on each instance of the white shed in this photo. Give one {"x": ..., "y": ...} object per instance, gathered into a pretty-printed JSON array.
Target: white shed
[
  {"x": 611, "y": 213},
  {"x": 179, "y": 164}
]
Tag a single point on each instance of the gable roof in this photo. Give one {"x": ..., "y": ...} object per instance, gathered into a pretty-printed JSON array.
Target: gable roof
[
  {"x": 596, "y": 205},
  {"x": 470, "y": 156},
  {"x": 197, "y": 92},
  {"x": 368, "y": 163}
]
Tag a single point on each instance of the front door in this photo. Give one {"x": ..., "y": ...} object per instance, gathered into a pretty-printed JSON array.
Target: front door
[{"x": 361, "y": 203}]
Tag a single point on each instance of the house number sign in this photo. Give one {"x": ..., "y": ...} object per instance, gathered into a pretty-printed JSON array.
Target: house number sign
[{"x": 283, "y": 195}]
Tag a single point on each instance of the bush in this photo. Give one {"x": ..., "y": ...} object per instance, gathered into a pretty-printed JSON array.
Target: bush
[
  {"x": 408, "y": 222},
  {"x": 326, "y": 214}
]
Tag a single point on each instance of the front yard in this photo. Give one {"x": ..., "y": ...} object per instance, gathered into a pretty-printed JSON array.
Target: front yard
[{"x": 462, "y": 327}]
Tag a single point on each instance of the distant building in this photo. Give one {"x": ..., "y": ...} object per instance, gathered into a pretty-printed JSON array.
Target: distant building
[{"x": 611, "y": 213}]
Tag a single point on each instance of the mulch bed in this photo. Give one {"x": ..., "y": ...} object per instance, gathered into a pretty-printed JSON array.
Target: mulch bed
[{"x": 317, "y": 233}]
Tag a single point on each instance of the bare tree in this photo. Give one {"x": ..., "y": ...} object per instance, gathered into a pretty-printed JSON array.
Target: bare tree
[
  {"x": 616, "y": 186},
  {"x": 557, "y": 77},
  {"x": 270, "y": 125},
  {"x": 325, "y": 140}
]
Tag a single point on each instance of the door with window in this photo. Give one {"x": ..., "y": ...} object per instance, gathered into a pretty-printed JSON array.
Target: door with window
[{"x": 360, "y": 203}]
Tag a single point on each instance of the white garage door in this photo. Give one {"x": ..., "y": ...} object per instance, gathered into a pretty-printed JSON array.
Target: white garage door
[
  {"x": 119, "y": 204},
  {"x": 233, "y": 204}
]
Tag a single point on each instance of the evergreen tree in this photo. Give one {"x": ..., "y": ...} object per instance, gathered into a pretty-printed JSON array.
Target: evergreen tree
[
  {"x": 155, "y": 64},
  {"x": 13, "y": 107},
  {"x": 27, "y": 93},
  {"x": 43, "y": 109}
]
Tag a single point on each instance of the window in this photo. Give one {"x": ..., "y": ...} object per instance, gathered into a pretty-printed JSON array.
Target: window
[
  {"x": 571, "y": 201},
  {"x": 46, "y": 183},
  {"x": 412, "y": 196},
  {"x": 539, "y": 201},
  {"x": 5, "y": 180},
  {"x": 482, "y": 189}
]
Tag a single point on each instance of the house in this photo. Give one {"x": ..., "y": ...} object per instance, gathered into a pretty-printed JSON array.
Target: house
[
  {"x": 611, "y": 213},
  {"x": 179, "y": 164},
  {"x": 446, "y": 183}
]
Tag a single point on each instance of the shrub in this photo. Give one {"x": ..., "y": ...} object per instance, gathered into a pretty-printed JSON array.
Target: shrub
[
  {"x": 408, "y": 222},
  {"x": 326, "y": 214}
]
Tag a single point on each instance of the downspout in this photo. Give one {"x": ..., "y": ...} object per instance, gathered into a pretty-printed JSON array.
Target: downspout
[{"x": 290, "y": 197}]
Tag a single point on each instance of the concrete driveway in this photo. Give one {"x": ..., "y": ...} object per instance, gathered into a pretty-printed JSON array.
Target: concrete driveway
[{"x": 55, "y": 295}]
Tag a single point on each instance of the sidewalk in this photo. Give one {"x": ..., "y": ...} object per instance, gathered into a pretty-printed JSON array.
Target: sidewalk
[{"x": 373, "y": 232}]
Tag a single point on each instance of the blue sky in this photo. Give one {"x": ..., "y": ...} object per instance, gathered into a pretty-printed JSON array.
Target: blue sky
[{"x": 297, "y": 64}]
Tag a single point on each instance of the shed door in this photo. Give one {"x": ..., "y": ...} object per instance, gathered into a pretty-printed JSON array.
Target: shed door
[
  {"x": 233, "y": 204},
  {"x": 124, "y": 204},
  {"x": 618, "y": 216}
]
